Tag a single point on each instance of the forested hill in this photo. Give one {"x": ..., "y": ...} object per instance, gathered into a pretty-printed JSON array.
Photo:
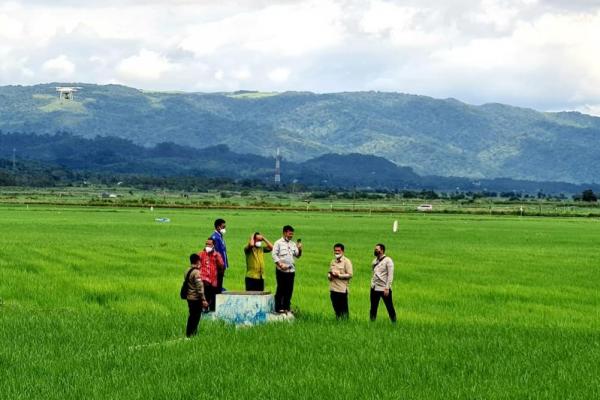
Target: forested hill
[
  {"x": 434, "y": 137},
  {"x": 50, "y": 159},
  {"x": 121, "y": 156}
]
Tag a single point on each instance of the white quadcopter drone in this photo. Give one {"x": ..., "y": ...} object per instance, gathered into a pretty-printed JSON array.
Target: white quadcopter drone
[{"x": 67, "y": 93}]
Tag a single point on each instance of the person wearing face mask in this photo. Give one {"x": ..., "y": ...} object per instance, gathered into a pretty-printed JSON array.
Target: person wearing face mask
[
  {"x": 284, "y": 252},
  {"x": 220, "y": 248},
  {"x": 211, "y": 263},
  {"x": 339, "y": 275},
  {"x": 381, "y": 283},
  {"x": 255, "y": 262}
]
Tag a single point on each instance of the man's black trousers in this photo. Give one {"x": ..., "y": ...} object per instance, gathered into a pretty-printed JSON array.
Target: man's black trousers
[
  {"x": 339, "y": 301},
  {"x": 195, "y": 308},
  {"x": 220, "y": 277},
  {"x": 387, "y": 300},
  {"x": 285, "y": 289},
  {"x": 255, "y": 285},
  {"x": 210, "y": 292}
]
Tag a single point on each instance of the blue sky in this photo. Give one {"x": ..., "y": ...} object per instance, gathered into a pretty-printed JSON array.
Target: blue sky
[{"x": 533, "y": 53}]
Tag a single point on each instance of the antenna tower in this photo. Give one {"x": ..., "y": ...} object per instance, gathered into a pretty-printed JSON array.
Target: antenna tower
[{"x": 278, "y": 168}]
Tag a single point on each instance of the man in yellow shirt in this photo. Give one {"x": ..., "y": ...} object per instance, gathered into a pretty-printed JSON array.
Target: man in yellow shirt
[
  {"x": 255, "y": 262},
  {"x": 340, "y": 273}
]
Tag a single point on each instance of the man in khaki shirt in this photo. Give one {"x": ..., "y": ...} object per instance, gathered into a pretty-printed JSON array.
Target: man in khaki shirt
[
  {"x": 381, "y": 282},
  {"x": 340, "y": 273}
]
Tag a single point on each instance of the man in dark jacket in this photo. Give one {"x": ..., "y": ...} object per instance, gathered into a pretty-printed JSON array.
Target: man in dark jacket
[
  {"x": 195, "y": 295},
  {"x": 220, "y": 247}
]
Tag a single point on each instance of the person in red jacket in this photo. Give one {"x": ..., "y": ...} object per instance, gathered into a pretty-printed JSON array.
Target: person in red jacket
[{"x": 211, "y": 263}]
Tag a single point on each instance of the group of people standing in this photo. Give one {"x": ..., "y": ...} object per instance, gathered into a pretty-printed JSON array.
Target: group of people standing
[
  {"x": 204, "y": 278},
  {"x": 340, "y": 273}
]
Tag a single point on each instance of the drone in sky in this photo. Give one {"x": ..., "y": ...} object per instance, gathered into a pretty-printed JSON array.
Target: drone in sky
[{"x": 67, "y": 92}]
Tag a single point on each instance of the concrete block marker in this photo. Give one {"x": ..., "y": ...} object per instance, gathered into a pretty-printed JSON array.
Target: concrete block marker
[{"x": 247, "y": 308}]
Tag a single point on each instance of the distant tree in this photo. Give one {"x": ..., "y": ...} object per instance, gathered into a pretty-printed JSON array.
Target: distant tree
[
  {"x": 319, "y": 195},
  {"x": 457, "y": 196},
  {"x": 428, "y": 194},
  {"x": 6, "y": 179},
  {"x": 589, "y": 195}
]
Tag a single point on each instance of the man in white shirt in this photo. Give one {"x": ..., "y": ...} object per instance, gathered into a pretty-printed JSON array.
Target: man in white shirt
[
  {"x": 284, "y": 253},
  {"x": 381, "y": 283}
]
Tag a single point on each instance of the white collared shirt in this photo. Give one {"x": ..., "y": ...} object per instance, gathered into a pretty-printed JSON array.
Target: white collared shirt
[{"x": 285, "y": 251}]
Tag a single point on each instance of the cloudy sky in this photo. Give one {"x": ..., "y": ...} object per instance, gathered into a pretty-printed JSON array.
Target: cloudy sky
[{"x": 543, "y": 54}]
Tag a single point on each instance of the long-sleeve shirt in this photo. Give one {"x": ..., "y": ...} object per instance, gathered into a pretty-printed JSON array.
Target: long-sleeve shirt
[
  {"x": 343, "y": 267},
  {"x": 195, "y": 288},
  {"x": 210, "y": 264},
  {"x": 220, "y": 247},
  {"x": 284, "y": 251},
  {"x": 383, "y": 274}
]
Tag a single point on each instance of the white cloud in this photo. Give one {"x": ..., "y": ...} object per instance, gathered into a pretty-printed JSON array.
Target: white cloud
[
  {"x": 98, "y": 60},
  {"x": 496, "y": 13},
  {"x": 404, "y": 26},
  {"x": 382, "y": 17},
  {"x": 482, "y": 54},
  {"x": 592, "y": 109},
  {"x": 60, "y": 66},
  {"x": 241, "y": 73},
  {"x": 291, "y": 30},
  {"x": 279, "y": 75},
  {"x": 542, "y": 54},
  {"x": 219, "y": 75},
  {"x": 10, "y": 28},
  {"x": 145, "y": 66},
  {"x": 14, "y": 66}
]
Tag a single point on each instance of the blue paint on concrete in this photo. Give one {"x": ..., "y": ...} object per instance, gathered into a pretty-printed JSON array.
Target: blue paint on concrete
[{"x": 244, "y": 309}]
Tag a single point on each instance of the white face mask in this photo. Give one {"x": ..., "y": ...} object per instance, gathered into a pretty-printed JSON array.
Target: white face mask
[
  {"x": 208, "y": 249},
  {"x": 338, "y": 256},
  {"x": 223, "y": 231},
  {"x": 258, "y": 244}
]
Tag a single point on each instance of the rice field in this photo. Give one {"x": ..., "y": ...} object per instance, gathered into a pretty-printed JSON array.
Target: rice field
[{"x": 490, "y": 307}]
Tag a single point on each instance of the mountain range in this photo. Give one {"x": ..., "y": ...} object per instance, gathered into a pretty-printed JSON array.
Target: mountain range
[{"x": 442, "y": 137}]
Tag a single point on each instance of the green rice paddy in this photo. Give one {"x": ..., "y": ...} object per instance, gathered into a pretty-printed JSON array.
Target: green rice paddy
[{"x": 488, "y": 307}]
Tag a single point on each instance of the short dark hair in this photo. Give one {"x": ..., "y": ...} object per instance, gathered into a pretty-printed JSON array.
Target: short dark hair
[
  {"x": 256, "y": 234},
  {"x": 382, "y": 246},
  {"x": 219, "y": 222},
  {"x": 341, "y": 246},
  {"x": 194, "y": 258},
  {"x": 288, "y": 228},
  {"x": 211, "y": 239}
]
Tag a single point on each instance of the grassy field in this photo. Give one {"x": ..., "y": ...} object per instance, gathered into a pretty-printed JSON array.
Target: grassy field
[{"x": 489, "y": 307}]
